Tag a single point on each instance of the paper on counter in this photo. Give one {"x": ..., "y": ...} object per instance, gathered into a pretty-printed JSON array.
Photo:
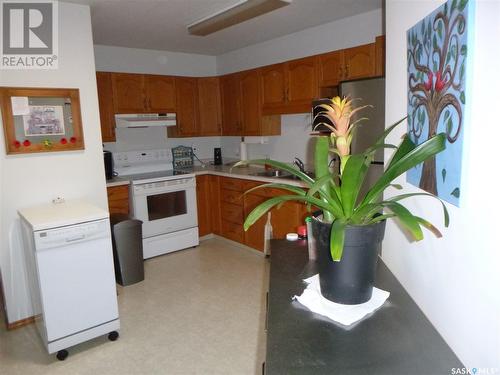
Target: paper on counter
[{"x": 343, "y": 314}]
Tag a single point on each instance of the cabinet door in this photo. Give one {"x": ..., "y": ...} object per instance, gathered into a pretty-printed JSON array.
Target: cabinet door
[
  {"x": 273, "y": 87},
  {"x": 359, "y": 62},
  {"x": 215, "y": 209},
  {"x": 128, "y": 93},
  {"x": 203, "y": 203},
  {"x": 302, "y": 84},
  {"x": 118, "y": 199},
  {"x": 187, "y": 106},
  {"x": 330, "y": 68},
  {"x": 209, "y": 106},
  {"x": 160, "y": 93},
  {"x": 106, "y": 111},
  {"x": 251, "y": 103},
  {"x": 254, "y": 236},
  {"x": 380, "y": 56},
  {"x": 231, "y": 105}
]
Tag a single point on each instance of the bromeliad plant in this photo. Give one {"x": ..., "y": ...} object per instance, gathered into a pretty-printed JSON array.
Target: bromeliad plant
[{"x": 337, "y": 194}]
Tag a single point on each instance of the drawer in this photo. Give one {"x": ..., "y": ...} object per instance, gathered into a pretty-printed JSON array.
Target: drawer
[
  {"x": 232, "y": 196},
  {"x": 233, "y": 231},
  {"x": 232, "y": 183},
  {"x": 117, "y": 192},
  {"x": 232, "y": 212}
]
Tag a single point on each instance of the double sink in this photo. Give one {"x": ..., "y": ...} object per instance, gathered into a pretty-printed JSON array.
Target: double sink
[{"x": 276, "y": 173}]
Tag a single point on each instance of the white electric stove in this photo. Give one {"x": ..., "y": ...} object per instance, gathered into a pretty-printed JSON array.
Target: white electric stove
[{"x": 163, "y": 199}]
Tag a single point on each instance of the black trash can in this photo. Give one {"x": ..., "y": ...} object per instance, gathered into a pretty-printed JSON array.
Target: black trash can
[{"x": 127, "y": 249}]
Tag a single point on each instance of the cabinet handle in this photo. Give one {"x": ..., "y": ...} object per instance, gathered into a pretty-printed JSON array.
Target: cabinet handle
[{"x": 287, "y": 94}]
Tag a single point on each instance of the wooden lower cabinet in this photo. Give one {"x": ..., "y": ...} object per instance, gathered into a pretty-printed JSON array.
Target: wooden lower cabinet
[
  {"x": 203, "y": 203},
  {"x": 223, "y": 207},
  {"x": 118, "y": 199}
]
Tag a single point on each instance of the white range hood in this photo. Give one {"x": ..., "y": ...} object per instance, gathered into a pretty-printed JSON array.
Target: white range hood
[{"x": 142, "y": 120}]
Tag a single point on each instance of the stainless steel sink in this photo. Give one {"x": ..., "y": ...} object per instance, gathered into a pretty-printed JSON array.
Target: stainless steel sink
[{"x": 280, "y": 174}]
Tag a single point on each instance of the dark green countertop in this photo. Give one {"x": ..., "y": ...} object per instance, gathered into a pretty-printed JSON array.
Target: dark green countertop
[{"x": 395, "y": 339}]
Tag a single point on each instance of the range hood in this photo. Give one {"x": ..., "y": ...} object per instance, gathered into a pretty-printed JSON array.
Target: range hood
[{"x": 142, "y": 120}]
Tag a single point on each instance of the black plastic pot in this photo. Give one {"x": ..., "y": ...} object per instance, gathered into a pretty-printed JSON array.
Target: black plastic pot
[{"x": 349, "y": 281}]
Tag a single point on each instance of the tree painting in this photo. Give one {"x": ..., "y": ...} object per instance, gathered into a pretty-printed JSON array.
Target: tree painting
[{"x": 437, "y": 49}]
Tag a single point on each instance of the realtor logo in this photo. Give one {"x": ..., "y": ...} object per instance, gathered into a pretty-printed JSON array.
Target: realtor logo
[{"x": 29, "y": 34}]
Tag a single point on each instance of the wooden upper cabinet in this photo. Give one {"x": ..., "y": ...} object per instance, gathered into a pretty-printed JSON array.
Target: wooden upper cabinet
[
  {"x": 380, "y": 56},
  {"x": 187, "y": 106},
  {"x": 359, "y": 62},
  {"x": 330, "y": 68},
  {"x": 160, "y": 93},
  {"x": 251, "y": 102},
  {"x": 106, "y": 110},
  {"x": 209, "y": 106},
  {"x": 289, "y": 87},
  {"x": 273, "y": 86},
  {"x": 302, "y": 83},
  {"x": 231, "y": 105},
  {"x": 128, "y": 93}
]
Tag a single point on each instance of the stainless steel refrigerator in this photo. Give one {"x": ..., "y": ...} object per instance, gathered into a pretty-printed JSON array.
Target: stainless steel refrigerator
[{"x": 366, "y": 91}]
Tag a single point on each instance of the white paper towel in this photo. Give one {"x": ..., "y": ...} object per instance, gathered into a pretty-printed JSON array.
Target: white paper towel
[{"x": 343, "y": 314}]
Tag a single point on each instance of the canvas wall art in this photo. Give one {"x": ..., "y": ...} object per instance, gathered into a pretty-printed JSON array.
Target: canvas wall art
[{"x": 438, "y": 53}]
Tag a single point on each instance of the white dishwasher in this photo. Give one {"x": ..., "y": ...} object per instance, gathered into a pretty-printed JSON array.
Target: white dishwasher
[{"x": 71, "y": 275}]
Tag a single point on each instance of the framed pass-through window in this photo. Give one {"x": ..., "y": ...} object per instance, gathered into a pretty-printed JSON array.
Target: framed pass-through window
[{"x": 41, "y": 119}]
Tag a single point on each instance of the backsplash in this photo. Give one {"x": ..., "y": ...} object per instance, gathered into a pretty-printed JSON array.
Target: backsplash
[{"x": 295, "y": 141}]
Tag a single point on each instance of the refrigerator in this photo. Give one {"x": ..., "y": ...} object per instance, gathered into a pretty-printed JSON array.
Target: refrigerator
[{"x": 367, "y": 91}]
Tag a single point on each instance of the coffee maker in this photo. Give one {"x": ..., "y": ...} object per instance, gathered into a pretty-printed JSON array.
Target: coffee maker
[
  {"x": 217, "y": 156},
  {"x": 108, "y": 164}
]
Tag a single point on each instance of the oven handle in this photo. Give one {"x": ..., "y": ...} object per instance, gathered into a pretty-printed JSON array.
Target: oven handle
[{"x": 163, "y": 190}]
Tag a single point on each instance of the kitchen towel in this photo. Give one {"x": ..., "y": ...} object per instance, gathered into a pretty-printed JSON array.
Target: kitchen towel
[{"x": 343, "y": 314}]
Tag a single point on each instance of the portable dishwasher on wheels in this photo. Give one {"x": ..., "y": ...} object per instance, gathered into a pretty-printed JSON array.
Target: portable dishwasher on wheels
[{"x": 70, "y": 270}]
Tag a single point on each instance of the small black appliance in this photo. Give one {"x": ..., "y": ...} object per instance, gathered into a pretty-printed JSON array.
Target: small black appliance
[
  {"x": 108, "y": 164},
  {"x": 217, "y": 156}
]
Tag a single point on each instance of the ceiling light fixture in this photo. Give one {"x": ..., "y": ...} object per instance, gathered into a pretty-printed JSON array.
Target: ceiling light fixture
[{"x": 241, "y": 11}]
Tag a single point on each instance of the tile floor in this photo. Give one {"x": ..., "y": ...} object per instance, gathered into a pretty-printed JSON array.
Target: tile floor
[{"x": 199, "y": 311}]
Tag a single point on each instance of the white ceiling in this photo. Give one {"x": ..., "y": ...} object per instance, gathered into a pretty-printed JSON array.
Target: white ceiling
[{"x": 161, "y": 24}]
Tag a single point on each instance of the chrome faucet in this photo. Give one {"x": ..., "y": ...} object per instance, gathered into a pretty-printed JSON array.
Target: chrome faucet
[{"x": 300, "y": 164}]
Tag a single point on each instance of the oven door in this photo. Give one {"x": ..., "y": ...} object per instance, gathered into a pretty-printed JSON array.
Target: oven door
[{"x": 165, "y": 206}]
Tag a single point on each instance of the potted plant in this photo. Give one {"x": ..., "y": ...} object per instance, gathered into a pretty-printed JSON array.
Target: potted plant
[{"x": 350, "y": 230}]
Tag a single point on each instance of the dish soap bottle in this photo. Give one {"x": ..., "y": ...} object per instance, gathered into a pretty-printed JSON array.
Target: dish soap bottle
[{"x": 268, "y": 234}]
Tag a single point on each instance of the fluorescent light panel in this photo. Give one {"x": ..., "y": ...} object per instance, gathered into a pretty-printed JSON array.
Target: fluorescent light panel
[{"x": 240, "y": 12}]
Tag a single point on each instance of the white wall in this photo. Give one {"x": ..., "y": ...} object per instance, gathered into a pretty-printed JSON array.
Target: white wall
[
  {"x": 133, "y": 60},
  {"x": 455, "y": 280},
  {"x": 344, "y": 33},
  {"x": 37, "y": 178}
]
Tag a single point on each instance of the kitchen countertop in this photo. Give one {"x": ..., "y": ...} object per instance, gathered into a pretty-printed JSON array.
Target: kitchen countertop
[
  {"x": 219, "y": 170},
  {"x": 395, "y": 339}
]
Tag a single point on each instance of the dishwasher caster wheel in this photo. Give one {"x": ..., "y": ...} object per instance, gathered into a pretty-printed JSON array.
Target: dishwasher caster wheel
[
  {"x": 113, "y": 336},
  {"x": 62, "y": 355}
]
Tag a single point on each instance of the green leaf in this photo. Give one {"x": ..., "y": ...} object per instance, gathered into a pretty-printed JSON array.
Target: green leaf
[
  {"x": 404, "y": 148},
  {"x": 453, "y": 4},
  {"x": 440, "y": 30},
  {"x": 321, "y": 169},
  {"x": 446, "y": 115},
  {"x": 414, "y": 157},
  {"x": 462, "y": 97},
  {"x": 337, "y": 236},
  {"x": 381, "y": 139},
  {"x": 435, "y": 45},
  {"x": 462, "y": 71},
  {"x": 443, "y": 173},
  {"x": 262, "y": 208},
  {"x": 462, "y": 5},
  {"x": 456, "y": 192},
  {"x": 463, "y": 50},
  {"x": 294, "y": 189},
  {"x": 352, "y": 180},
  {"x": 334, "y": 200},
  {"x": 407, "y": 219},
  {"x": 376, "y": 219},
  {"x": 445, "y": 210},
  {"x": 429, "y": 226}
]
